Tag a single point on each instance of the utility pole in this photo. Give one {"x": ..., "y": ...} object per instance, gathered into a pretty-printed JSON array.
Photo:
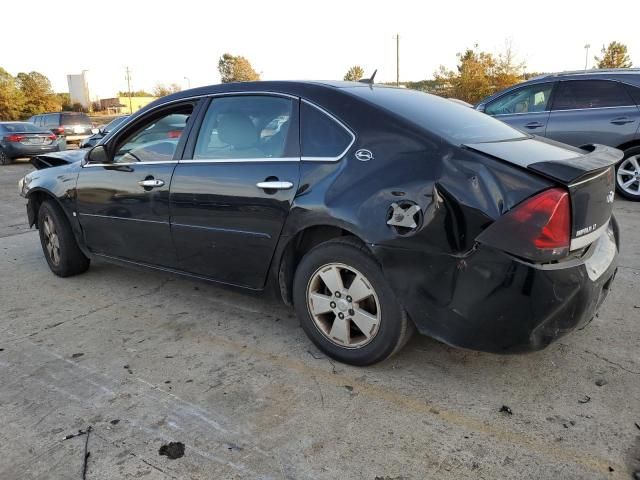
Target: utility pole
[
  {"x": 188, "y": 81},
  {"x": 129, "y": 90},
  {"x": 397, "y": 39},
  {"x": 586, "y": 55}
]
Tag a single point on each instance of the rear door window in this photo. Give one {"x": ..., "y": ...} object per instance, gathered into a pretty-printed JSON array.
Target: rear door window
[
  {"x": 322, "y": 136},
  {"x": 579, "y": 94},
  {"x": 634, "y": 92},
  {"x": 75, "y": 119},
  {"x": 529, "y": 99}
]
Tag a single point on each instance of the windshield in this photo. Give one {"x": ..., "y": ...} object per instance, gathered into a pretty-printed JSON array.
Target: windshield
[
  {"x": 75, "y": 119},
  {"x": 20, "y": 127},
  {"x": 456, "y": 123}
]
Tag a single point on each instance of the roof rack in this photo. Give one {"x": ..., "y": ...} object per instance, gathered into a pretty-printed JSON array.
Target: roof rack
[{"x": 592, "y": 72}]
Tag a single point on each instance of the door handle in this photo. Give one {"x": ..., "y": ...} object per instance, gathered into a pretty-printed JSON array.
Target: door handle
[
  {"x": 621, "y": 121},
  {"x": 534, "y": 125},
  {"x": 274, "y": 185},
  {"x": 151, "y": 183}
]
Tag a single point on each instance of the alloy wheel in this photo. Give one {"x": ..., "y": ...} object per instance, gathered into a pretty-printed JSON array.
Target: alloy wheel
[
  {"x": 51, "y": 240},
  {"x": 343, "y": 305},
  {"x": 629, "y": 175}
]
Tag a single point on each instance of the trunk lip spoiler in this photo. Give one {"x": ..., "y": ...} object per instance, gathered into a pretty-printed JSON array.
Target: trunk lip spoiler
[{"x": 569, "y": 169}]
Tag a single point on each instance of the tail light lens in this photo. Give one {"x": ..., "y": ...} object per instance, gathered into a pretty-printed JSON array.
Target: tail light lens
[
  {"x": 174, "y": 133},
  {"x": 14, "y": 138},
  {"x": 59, "y": 131},
  {"x": 538, "y": 229},
  {"x": 52, "y": 137}
]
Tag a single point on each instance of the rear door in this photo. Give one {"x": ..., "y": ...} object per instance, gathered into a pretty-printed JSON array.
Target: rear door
[
  {"x": 525, "y": 108},
  {"x": 593, "y": 111},
  {"x": 123, "y": 206},
  {"x": 232, "y": 192}
]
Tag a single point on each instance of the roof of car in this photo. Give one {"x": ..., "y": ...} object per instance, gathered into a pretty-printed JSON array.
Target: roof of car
[{"x": 593, "y": 71}]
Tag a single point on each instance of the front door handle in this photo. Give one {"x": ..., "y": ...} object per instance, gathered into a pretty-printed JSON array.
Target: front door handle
[
  {"x": 151, "y": 183},
  {"x": 534, "y": 125},
  {"x": 622, "y": 120},
  {"x": 274, "y": 185}
]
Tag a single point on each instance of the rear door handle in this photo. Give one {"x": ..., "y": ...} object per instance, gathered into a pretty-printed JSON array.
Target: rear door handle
[
  {"x": 151, "y": 183},
  {"x": 274, "y": 185},
  {"x": 622, "y": 120},
  {"x": 534, "y": 125}
]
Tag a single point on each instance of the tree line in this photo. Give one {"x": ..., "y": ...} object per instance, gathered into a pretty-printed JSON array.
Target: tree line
[{"x": 477, "y": 74}]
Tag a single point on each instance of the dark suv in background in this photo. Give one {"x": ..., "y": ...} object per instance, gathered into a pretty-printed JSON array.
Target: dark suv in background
[
  {"x": 74, "y": 126},
  {"x": 580, "y": 108}
]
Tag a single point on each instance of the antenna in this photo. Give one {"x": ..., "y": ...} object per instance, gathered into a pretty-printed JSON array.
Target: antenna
[{"x": 369, "y": 80}]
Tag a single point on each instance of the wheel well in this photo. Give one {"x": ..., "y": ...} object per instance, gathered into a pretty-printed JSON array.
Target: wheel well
[
  {"x": 631, "y": 144},
  {"x": 35, "y": 201},
  {"x": 297, "y": 247}
]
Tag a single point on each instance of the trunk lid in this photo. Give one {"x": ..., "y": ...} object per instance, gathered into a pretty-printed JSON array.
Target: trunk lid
[{"x": 588, "y": 173}]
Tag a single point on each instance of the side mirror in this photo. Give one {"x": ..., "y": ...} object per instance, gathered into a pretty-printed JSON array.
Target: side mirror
[
  {"x": 98, "y": 154},
  {"x": 481, "y": 107}
]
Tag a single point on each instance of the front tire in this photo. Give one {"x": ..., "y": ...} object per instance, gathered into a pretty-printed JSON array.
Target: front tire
[
  {"x": 628, "y": 174},
  {"x": 345, "y": 305},
  {"x": 58, "y": 242}
]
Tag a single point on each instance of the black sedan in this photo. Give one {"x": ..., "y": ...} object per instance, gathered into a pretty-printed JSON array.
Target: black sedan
[
  {"x": 374, "y": 211},
  {"x": 102, "y": 132},
  {"x": 23, "y": 139}
]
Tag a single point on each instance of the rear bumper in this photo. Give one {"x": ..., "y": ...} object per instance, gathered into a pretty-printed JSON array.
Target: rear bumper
[
  {"x": 493, "y": 302},
  {"x": 18, "y": 150}
]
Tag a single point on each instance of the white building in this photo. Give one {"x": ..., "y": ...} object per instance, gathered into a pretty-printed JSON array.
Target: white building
[{"x": 79, "y": 89}]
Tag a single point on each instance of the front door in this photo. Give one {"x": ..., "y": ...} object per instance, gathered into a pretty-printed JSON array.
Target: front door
[
  {"x": 232, "y": 192},
  {"x": 123, "y": 205},
  {"x": 526, "y": 108}
]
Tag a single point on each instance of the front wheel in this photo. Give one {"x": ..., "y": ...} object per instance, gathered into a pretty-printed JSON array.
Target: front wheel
[
  {"x": 628, "y": 174},
  {"x": 58, "y": 242},
  {"x": 346, "y": 306}
]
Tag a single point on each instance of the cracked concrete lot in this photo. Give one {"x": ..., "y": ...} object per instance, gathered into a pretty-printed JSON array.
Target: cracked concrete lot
[{"x": 147, "y": 359}]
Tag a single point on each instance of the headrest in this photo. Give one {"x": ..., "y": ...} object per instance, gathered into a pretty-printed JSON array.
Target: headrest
[{"x": 237, "y": 130}]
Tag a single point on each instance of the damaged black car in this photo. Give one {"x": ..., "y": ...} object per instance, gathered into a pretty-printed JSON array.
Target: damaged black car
[{"x": 374, "y": 211}]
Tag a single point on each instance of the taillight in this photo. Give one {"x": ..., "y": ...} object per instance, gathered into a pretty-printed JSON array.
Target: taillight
[
  {"x": 174, "y": 133},
  {"x": 52, "y": 137},
  {"x": 58, "y": 130},
  {"x": 538, "y": 229},
  {"x": 14, "y": 138}
]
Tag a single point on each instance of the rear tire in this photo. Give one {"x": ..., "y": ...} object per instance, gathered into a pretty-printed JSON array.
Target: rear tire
[
  {"x": 4, "y": 158},
  {"x": 341, "y": 278},
  {"x": 628, "y": 174},
  {"x": 58, "y": 242}
]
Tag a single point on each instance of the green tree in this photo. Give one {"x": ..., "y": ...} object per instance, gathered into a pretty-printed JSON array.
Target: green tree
[
  {"x": 11, "y": 98},
  {"x": 478, "y": 75},
  {"x": 162, "y": 90},
  {"x": 234, "y": 68},
  {"x": 65, "y": 101},
  {"x": 614, "y": 55},
  {"x": 354, "y": 74},
  {"x": 38, "y": 94}
]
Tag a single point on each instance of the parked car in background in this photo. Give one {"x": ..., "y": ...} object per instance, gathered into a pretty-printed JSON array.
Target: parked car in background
[
  {"x": 580, "y": 108},
  {"x": 74, "y": 126},
  {"x": 373, "y": 210},
  {"x": 93, "y": 140},
  {"x": 23, "y": 139}
]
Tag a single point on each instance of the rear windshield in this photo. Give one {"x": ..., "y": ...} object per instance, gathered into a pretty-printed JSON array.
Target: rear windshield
[
  {"x": 75, "y": 119},
  {"x": 20, "y": 127},
  {"x": 454, "y": 122}
]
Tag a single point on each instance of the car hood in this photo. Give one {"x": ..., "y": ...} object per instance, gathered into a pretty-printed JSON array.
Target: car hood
[{"x": 56, "y": 159}]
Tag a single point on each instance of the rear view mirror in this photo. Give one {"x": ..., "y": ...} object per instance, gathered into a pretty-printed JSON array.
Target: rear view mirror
[{"x": 98, "y": 154}]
